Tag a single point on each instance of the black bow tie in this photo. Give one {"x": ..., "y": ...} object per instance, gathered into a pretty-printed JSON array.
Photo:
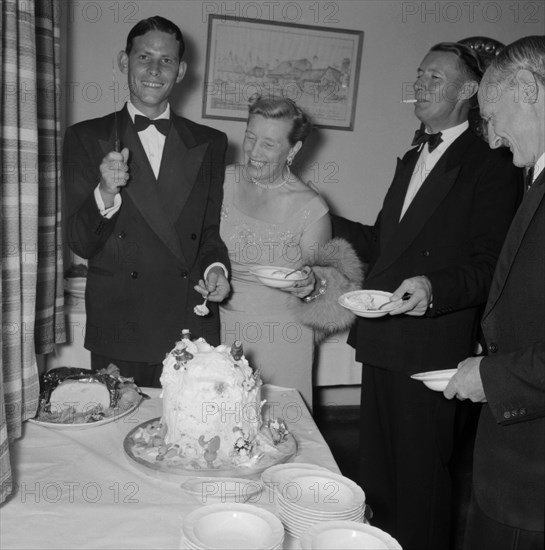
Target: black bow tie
[
  {"x": 421, "y": 136},
  {"x": 142, "y": 122}
]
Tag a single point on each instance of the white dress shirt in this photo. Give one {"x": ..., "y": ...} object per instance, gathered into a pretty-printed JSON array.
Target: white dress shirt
[
  {"x": 426, "y": 161},
  {"x": 538, "y": 167},
  {"x": 153, "y": 143}
]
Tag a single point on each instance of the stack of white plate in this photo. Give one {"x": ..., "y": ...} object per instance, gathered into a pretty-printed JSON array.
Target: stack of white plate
[
  {"x": 346, "y": 535},
  {"x": 213, "y": 490},
  {"x": 227, "y": 526},
  {"x": 75, "y": 286},
  {"x": 307, "y": 496}
]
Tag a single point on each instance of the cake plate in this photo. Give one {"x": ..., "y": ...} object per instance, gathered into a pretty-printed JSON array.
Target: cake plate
[{"x": 169, "y": 470}]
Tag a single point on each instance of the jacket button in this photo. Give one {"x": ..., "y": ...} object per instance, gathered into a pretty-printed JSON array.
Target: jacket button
[
  {"x": 193, "y": 236},
  {"x": 183, "y": 274},
  {"x": 514, "y": 412},
  {"x": 425, "y": 253},
  {"x": 493, "y": 347},
  {"x": 122, "y": 235},
  {"x": 134, "y": 274},
  {"x": 522, "y": 411},
  {"x": 506, "y": 414}
]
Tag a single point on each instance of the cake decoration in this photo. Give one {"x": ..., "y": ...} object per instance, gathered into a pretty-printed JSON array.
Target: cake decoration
[{"x": 212, "y": 413}]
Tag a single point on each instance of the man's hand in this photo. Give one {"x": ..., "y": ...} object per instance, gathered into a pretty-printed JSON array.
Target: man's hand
[
  {"x": 216, "y": 288},
  {"x": 466, "y": 382},
  {"x": 114, "y": 175},
  {"x": 414, "y": 296}
]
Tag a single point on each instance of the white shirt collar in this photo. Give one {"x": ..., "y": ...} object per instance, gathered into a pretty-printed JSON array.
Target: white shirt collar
[
  {"x": 450, "y": 134},
  {"x": 134, "y": 111},
  {"x": 538, "y": 167}
]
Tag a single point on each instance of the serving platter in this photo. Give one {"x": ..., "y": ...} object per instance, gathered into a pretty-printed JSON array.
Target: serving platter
[
  {"x": 114, "y": 415},
  {"x": 144, "y": 459}
]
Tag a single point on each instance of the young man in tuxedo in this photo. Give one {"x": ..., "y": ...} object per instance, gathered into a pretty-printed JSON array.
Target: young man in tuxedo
[
  {"x": 507, "y": 511},
  {"x": 434, "y": 245},
  {"x": 145, "y": 213}
]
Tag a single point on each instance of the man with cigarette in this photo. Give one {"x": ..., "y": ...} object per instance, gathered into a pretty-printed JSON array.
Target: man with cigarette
[
  {"x": 507, "y": 511},
  {"x": 146, "y": 217},
  {"x": 434, "y": 245}
]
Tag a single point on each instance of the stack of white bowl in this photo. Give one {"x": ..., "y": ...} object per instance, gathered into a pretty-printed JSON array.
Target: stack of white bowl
[
  {"x": 346, "y": 535},
  {"x": 306, "y": 496},
  {"x": 228, "y": 525},
  {"x": 75, "y": 286}
]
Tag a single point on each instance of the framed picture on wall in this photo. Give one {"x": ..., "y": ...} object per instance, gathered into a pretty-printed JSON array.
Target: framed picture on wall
[{"x": 317, "y": 67}]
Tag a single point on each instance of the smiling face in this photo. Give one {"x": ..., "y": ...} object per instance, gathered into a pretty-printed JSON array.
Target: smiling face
[
  {"x": 510, "y": 120},
  {"x": 152, "y": 68},
  {"x": 266, "y": 148},
  {"x": 441, "y": 90}
]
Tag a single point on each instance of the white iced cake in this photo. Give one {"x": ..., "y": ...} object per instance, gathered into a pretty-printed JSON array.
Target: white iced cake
[
  {"x": 212, "y": 412},
  {"x": 211, "y": 401}
]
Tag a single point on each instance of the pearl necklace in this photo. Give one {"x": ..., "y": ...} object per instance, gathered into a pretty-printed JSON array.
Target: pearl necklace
[{"x": 267, "y": 186}]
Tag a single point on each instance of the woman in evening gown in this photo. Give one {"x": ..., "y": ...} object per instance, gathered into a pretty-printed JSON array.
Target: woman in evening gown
[{"x": 270, "y": 217}]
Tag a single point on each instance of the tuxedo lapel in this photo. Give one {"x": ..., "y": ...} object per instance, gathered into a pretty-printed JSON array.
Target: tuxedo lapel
[
  {"x": 396, "y": 235},
  {"x": 181, "y": 162},
  {"x": 395, "y": 198},
  {"x": 523, "y": 218},
  {"x": 142, "y": 186}
]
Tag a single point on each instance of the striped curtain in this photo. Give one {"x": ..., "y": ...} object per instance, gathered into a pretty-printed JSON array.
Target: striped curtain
[{"x": 31, "y": 308}]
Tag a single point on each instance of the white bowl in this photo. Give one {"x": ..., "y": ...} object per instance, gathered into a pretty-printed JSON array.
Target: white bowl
[
  {"x": 277, "y": 277},
  {"x": 346, "y": 535},
  {"x": 366, "y": 303},
  {"x": 270, "y": 475},
  {"x": 212, "y": 490},
  {"x": 228, "y": 526},
  {"x": 435, "y": 380}
]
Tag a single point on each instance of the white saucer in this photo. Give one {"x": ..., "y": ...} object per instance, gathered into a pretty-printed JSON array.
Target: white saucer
[{"x": 435, "y": 380}]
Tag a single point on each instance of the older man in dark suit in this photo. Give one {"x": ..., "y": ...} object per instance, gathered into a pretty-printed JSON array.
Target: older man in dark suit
[
  {"x": 434, "y": 244},
  {"x": 507, "y": 511},
  {"x": 146, "y": 214}
]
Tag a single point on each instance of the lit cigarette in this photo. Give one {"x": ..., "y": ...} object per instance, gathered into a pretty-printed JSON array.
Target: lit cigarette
[{"x": 408, "y": 101}]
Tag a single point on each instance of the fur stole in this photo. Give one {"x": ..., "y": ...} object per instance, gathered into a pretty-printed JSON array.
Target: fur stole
[{"x": 337, "y": 262}]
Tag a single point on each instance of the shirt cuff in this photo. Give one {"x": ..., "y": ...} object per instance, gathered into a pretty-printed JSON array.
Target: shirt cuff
[
  {"x": 216, "y": 264},
  {"x": 107, "y": 212}
]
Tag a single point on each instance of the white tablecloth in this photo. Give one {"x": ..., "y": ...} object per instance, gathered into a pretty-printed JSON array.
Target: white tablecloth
[{"x": 77, "y": 488}]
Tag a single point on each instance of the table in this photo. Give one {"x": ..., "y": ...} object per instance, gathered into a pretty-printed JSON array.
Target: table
[{"x": 77, "y": 489}]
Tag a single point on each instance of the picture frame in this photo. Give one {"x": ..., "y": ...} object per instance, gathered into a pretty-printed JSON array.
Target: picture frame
[{"x": 317, "y": 67}]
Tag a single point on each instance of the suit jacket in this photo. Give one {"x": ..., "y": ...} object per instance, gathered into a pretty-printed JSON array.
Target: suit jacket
[
  {"x": 145, "y": 260},
  {"x": 509, "y": 470},
  {"x": 452, "y": 232}
]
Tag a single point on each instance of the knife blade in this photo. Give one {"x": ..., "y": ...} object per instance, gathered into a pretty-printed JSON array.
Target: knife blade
[{"x": 117, "y": 144}]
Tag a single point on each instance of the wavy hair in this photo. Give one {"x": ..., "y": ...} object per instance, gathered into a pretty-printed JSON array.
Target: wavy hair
[{"x": 283, "y": 108}]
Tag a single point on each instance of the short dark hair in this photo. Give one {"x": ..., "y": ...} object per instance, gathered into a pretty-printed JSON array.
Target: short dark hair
[
  {"x": 156, "y": 23},
  {"x": 468, "y": 60},
  {"x": 283, "y": 108}
]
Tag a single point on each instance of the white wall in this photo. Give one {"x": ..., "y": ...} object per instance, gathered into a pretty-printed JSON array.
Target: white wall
[{"x": 397, "y": 35}]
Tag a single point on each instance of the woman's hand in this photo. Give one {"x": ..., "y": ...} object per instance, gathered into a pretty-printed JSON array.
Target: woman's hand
[{"x": 305, "y": 286}]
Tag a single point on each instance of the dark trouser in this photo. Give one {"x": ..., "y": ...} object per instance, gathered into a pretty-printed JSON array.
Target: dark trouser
[
  {"x": 483, "y": 532},
  {"x": 407, "y": 433},
  {"x": 146, "y": 375}
]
